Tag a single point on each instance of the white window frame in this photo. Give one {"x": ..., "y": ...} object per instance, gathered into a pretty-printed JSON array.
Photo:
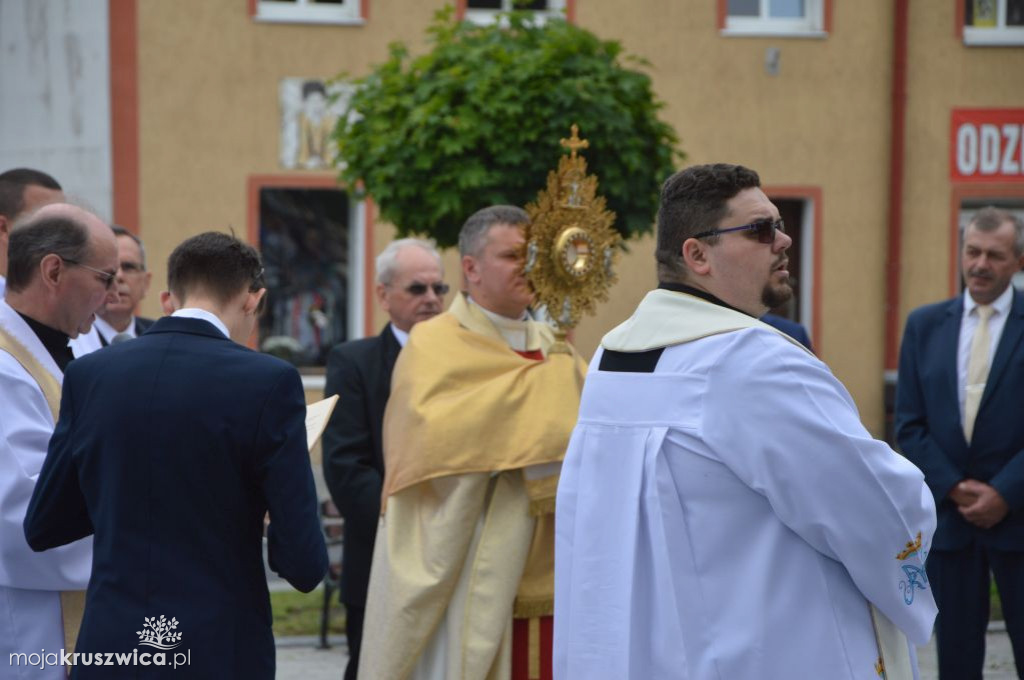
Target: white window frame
[
  {"x": 484, "y": 17},
  {"x": 308, "y": 12},
  {"x": 811, "y": 25},
  {"x": 1000, "y": 34}
]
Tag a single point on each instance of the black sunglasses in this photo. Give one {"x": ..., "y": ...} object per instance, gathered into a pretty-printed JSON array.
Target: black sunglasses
[
  {"x": 417, "y": 289},
  {"x": 765, "y": 230}
]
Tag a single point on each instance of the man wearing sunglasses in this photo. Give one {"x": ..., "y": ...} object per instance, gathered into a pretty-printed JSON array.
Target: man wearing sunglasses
[
  {"x": 410, "y": 288},
  {"x": 474, "y": 434},
  {"x": 61, "y": 265},
  {"x": 722, "y": 511}
]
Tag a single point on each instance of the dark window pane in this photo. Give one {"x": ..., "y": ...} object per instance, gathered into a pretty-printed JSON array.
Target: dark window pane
[
  {"x": 328, "y": 2},
  {"x": 1015, "y": 12},
  {"x": 539, "y": 5},
  {"x": 483, "y": 4},
  {"x": 304, "y": 244},
  {"x": 280, "y": 2},
  {"x": 744, "y": 8}
]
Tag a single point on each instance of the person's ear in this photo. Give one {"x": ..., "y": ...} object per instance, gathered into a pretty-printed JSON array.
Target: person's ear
[
  {"x": 168, "y": 303},
  {"x": 695, "y": 256},
  {"x": 51, "y": 268},
  {"x": 470, "y": 269},
  {"x": 382, "y": 296},
  {"x": 251, "y": 305}
]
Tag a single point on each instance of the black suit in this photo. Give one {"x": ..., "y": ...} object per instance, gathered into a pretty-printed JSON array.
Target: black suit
[
  {"x": 359, "y": 372},
  {"x": 171, "y": 449},
  {"x": 930, "y": 434}
]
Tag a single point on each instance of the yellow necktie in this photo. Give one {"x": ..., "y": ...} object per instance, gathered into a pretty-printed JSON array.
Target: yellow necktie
[{"x": 977, "y": 370}]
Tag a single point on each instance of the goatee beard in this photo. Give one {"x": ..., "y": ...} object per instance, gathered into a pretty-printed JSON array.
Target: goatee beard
[{"x": 775, "y": 296}]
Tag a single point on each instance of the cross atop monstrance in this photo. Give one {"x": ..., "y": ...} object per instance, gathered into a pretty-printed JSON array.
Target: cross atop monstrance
[
  {"x": 574, "y": 143},
  {"x": 571, "y": 245}
]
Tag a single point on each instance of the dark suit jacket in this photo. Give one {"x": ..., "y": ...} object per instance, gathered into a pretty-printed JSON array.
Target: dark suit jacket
[
  {"x": 790, "y": 328},
  {"x": 171, "y": 449},
  {"x": 928, "y": 424},
  {"x": 359, "y": 372}
]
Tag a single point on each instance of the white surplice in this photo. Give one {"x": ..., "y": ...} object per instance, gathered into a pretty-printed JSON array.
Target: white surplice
[
  {"x": 728, "y": 516},
  {"x": 30, "y": 582}
]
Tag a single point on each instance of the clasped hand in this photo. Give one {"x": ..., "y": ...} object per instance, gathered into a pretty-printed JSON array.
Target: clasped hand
[{"x": 979, "y": 503}]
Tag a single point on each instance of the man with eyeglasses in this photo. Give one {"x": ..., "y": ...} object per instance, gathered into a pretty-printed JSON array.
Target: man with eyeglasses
[
  {"x": 22, "y": 190},
  {"x": 117, "y": 322},
  {"x": 479, "y": 416},
  {"x": 410, "y": 288},
  {"x": 61, "y": 265},
  {"x": 178, "y": 521},
  {"x": 722, "y": 512}
]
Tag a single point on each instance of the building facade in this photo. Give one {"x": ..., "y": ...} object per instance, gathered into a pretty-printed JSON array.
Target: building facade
[{"x": 878, "y": 128}]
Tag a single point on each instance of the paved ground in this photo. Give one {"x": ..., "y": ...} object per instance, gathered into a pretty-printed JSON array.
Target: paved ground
[{"x": 298, "y": 659}]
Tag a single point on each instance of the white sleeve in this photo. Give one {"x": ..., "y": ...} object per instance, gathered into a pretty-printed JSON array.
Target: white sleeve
[
  {"x": 790, "y": 431},
  {"x": 25, "y": 429}
]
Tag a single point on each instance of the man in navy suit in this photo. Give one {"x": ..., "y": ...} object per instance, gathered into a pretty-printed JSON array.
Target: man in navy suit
[
  {"x": 411, "y": 289},
  {"x": 959, "y": 408},
  {"x": 171, "y": 450}
]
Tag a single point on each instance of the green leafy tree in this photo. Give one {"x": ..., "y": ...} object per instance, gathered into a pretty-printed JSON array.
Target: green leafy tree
[{"x": 477, "y": 120}]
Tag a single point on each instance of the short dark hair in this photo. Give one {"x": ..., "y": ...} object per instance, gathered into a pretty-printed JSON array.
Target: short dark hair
[
  {"x": 121, "y": 231},
  {"x": 991, "y": 218},
  {"x": 693, "y": 200},
  {"x": 471, "y": 237},
  {"x": 217, "y": 264},
  {"x": 60, "y": 235},
  {"x": 12, "y": 188}
]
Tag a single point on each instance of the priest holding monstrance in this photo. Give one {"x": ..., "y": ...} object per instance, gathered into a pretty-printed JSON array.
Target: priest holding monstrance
[{"x": 482, "y": 403}]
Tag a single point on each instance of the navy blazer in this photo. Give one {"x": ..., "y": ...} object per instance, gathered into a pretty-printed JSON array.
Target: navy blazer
[
  {"x": 929, "y": 429},
  {"x": 172, "y": 449},
  {"x": 791, "y": 328},
  {"x": 359, "y": 372}
]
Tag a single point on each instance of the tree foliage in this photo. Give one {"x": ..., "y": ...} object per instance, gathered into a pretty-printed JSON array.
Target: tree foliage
[{"x": 477, "y": 121}]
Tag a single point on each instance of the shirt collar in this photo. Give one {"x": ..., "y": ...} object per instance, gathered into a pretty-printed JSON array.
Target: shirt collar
[
  {"x": 54, "y": 341},
  {"x": 697, "y": 292},
  {"x": 499, "y": 320},
  {"x": 202, "y": 314},
  {"x": 108, "y": 332},
  {"x": 1001, "y": 304},
  {"x": 400, "y": 335}
]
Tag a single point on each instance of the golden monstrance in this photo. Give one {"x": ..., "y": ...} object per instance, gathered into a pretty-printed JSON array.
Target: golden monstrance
[{"x": 571, "y": 245}]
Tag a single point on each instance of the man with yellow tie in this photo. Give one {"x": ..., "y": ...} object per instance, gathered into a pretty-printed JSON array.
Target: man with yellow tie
[{"x": 960, "y": 418}]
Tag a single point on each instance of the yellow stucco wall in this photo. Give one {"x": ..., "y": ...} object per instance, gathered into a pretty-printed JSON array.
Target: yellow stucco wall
[
  {"x": 209, "y": 118},
  {"x": 944, "y": 74}
]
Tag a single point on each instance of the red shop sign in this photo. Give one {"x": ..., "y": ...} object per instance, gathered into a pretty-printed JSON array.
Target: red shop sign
[{"x": 987, "y": 145}]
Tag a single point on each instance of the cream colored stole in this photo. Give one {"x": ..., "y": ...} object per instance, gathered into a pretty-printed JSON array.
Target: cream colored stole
[
  {"x": 666, "y": 318},
  {"x": 72, "y": 602}
]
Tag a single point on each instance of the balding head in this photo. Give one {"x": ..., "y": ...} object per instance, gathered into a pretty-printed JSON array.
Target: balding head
[{"x": 62, "y": 261}]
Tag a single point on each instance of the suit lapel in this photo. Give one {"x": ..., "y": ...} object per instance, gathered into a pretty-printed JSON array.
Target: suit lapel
[
  {"x": 391, "y": 349},
  {"x": 949, "y": 345},
  {"x": 1012, "y": 332}
]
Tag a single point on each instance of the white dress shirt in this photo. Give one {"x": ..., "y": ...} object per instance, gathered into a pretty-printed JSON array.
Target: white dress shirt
[{"x": 196, "y": 313}]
